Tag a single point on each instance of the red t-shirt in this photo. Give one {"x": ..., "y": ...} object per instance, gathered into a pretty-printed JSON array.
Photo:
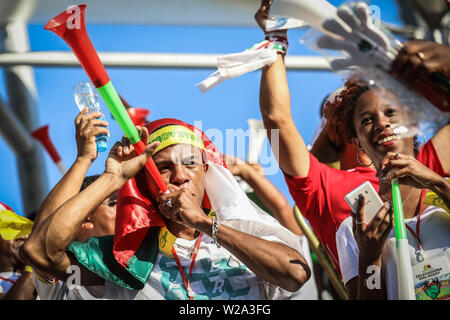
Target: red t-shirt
[{"x": 320, "y": 195}]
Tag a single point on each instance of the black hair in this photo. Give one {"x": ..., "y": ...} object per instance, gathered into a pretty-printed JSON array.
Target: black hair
[
  {"x": 88, "y": 180},
  {"x": 32, "y": 215},
  {"x": 323, "y": 103}
]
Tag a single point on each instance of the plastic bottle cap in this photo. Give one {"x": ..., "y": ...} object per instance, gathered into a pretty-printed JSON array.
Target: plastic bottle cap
[{"x": 102, "y": 146}]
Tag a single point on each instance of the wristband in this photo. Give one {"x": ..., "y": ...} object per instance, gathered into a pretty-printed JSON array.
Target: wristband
[
  {"x": 278, "y": 41},
  {"x": 279, "y": 47},
  {"x": 28, "y": 269},
  {"x": 279, "y": 34},
  {"x": 215, "y": 228}
]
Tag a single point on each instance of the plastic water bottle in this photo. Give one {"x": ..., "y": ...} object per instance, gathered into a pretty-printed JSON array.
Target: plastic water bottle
[{"x": 86, "y": 96}]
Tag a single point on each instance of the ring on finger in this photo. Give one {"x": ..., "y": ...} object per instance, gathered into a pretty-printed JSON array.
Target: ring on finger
[
  {"x": 420, "y": 55},
  {"x": 169, "y": 203},
  {"x": 397, "y": 156},
  {"x": 356, "y": 220}
]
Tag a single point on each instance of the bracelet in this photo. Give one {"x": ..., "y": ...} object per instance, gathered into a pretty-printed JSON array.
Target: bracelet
[
  {"x": 279, "y": 47},
  {"x": 278, "y": 41},
  {"x": 278, "y": 34},
  {"x": 274, "y": 41},
  {"x": 215, "y": 227},
  {"x": 27, "y": 269}
]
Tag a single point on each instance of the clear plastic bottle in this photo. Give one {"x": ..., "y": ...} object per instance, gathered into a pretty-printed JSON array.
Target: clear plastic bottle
[{"x": 86, "y": 96}]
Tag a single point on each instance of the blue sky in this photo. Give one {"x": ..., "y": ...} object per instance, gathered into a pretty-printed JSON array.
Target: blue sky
[{"x": 166, "y": 92}]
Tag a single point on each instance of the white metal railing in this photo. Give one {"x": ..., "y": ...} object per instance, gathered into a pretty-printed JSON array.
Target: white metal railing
[{"x": 144, "y": 60}]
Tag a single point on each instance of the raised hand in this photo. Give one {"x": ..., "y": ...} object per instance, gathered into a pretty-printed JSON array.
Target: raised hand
[
  {"x": 360, "y": 38},
  {"x": 409, "y": 171},
  {"x": 420, "y": 59},
  {"x": 235, "y": 165},
  {"x": 87, "y": 126},
  {"x": 123, "y": 160},
  {"x": 239, "y": 167},
  {"x": 263, "y": 14}
]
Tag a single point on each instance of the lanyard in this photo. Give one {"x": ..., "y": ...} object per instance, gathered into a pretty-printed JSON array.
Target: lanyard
[
  {"x": 167, "y": 239},
  {"x": 8, "y": 280},
  {"x": 416, "y": 234},
  {"x": 180, "y": 267}
]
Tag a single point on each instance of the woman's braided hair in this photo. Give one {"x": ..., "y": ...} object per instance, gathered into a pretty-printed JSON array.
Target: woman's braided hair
[{"x": 345, "y": 105}]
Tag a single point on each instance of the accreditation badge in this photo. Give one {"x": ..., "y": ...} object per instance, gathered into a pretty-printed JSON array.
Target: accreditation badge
[
  {"x": 432, "y": 279},
  {"x": 166, "y": 240}
]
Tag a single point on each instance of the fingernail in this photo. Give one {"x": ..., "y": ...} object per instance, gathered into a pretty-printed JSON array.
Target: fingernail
[{"x": 387, "y": 205}]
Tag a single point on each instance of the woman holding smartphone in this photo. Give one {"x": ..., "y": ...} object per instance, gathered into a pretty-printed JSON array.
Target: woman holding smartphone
[{"x": 366, "y": 249}]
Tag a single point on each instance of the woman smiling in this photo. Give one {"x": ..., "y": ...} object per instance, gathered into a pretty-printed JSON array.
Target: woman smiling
[{"x": 367, "y": 248}]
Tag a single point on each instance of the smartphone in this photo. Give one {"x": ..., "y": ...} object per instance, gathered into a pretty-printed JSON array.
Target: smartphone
[{"x": 373, "y": 201}]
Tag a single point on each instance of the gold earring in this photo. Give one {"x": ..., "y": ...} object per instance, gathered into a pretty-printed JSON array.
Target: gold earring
[{"x": 359, "y": 161}]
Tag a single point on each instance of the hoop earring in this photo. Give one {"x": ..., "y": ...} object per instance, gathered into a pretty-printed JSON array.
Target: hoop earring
[
  {"x": 418, "y": 146},
  {"x": 359, "y": 161},
  {"x": 424, "y": 140}
]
